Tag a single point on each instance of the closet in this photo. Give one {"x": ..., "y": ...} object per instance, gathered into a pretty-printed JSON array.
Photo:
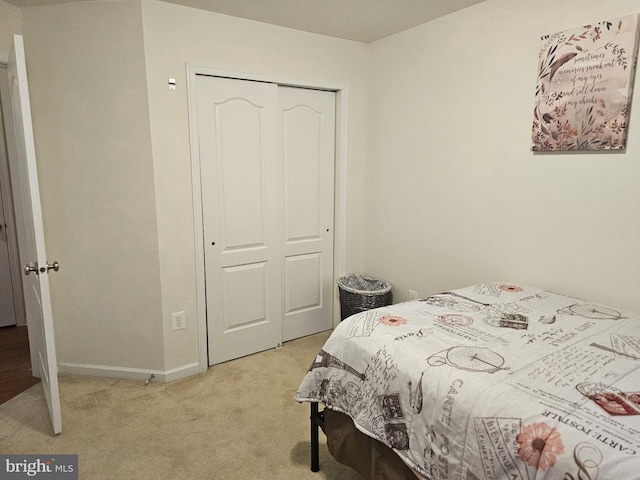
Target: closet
[{"x": 267, "y": 155}]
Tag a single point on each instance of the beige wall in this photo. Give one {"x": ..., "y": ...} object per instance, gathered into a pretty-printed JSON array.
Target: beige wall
[
  {"x": 9, "y": 25},
  {"x": 88, "y": 90},
  {"x": 114, "y": 159},
  {"x": 455, "y": 196},
  {"x": 442, "y": 188},
  {"x": 177, "y": 36}
]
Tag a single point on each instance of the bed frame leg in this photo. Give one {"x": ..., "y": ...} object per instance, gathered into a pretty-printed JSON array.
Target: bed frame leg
[{"x": 316, "y": 421}]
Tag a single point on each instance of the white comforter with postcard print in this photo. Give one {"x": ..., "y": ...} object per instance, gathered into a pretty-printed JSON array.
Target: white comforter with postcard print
[{"x": 494, "y": 381}]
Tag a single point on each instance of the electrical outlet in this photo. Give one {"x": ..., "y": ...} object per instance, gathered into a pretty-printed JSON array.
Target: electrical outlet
[
  {"x": 413, "y": 295},
  {"x": 178, "y": 320}
]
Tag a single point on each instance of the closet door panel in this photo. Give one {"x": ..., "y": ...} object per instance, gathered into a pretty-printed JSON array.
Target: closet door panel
[
  {"x": 241, "y": 181},
  {"x": 308, "y": 152}
]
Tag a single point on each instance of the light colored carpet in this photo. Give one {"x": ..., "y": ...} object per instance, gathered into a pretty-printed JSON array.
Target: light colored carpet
[{"x": 239, "y": 420}]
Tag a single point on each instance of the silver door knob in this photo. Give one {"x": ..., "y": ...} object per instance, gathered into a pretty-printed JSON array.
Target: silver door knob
[
  {"x": 55, "y": 266},
  {"x": 31, "y": 268}
]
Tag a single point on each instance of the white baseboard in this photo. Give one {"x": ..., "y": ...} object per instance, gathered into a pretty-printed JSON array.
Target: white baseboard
[{"x": 128, "y": 373}]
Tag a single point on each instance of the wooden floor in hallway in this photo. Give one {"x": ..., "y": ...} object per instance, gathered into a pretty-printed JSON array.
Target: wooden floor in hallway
[{"x": 15, "y": 362}]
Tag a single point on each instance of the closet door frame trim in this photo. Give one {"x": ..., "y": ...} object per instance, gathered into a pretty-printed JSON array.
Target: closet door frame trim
[{"x": 340, "y": 225}]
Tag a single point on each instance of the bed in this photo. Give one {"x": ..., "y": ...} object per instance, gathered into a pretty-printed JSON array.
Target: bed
[{"x": 489, "y": 382}]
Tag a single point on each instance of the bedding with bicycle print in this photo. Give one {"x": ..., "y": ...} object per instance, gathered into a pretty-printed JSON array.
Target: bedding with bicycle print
[{"x": 489, "y": 382}]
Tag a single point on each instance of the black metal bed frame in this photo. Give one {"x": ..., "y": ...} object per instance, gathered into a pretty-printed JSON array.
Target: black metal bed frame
[{"x": 317, "y": 420}]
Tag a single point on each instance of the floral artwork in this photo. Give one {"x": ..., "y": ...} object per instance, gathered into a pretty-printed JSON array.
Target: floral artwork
[
  {"x": 583, "y": 93},
  {"x": 510, "y": 288},
  {"x": 539, "y": 445},
  {"x": 393, "y": 320}
]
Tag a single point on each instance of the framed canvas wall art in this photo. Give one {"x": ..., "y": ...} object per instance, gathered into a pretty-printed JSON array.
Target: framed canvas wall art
[{"x": 584, "y": 87}]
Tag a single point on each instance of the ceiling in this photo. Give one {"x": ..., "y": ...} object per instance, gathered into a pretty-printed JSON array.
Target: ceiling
[{"x": 359, "y": 20}]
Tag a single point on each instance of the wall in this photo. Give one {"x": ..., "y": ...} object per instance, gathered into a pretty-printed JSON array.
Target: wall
[
  {"x": 438, "y": 151},
  {"x": 85, "y": 63},
  {"x": 114, "y": 160},
  {"x": 177, "y": 36},
  {"x": 9, "y": 25},
  {"x": 456, "y": 197}
]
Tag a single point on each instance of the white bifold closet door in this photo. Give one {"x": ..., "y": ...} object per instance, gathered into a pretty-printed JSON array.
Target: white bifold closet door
[{"x": 267, "y": 172}]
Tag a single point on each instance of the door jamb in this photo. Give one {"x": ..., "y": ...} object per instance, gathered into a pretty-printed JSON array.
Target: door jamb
[{"x": 340, "y": 182}]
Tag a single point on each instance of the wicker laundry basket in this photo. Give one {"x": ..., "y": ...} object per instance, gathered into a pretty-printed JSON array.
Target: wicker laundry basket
[{"x": 359, "y": 293}]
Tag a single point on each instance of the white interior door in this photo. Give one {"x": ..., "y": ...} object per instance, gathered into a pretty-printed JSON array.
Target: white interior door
[
  {"x": 241, "y": 194},
  {"x": 24, "y": 177},
  {"x": 308, "y": 151}
]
